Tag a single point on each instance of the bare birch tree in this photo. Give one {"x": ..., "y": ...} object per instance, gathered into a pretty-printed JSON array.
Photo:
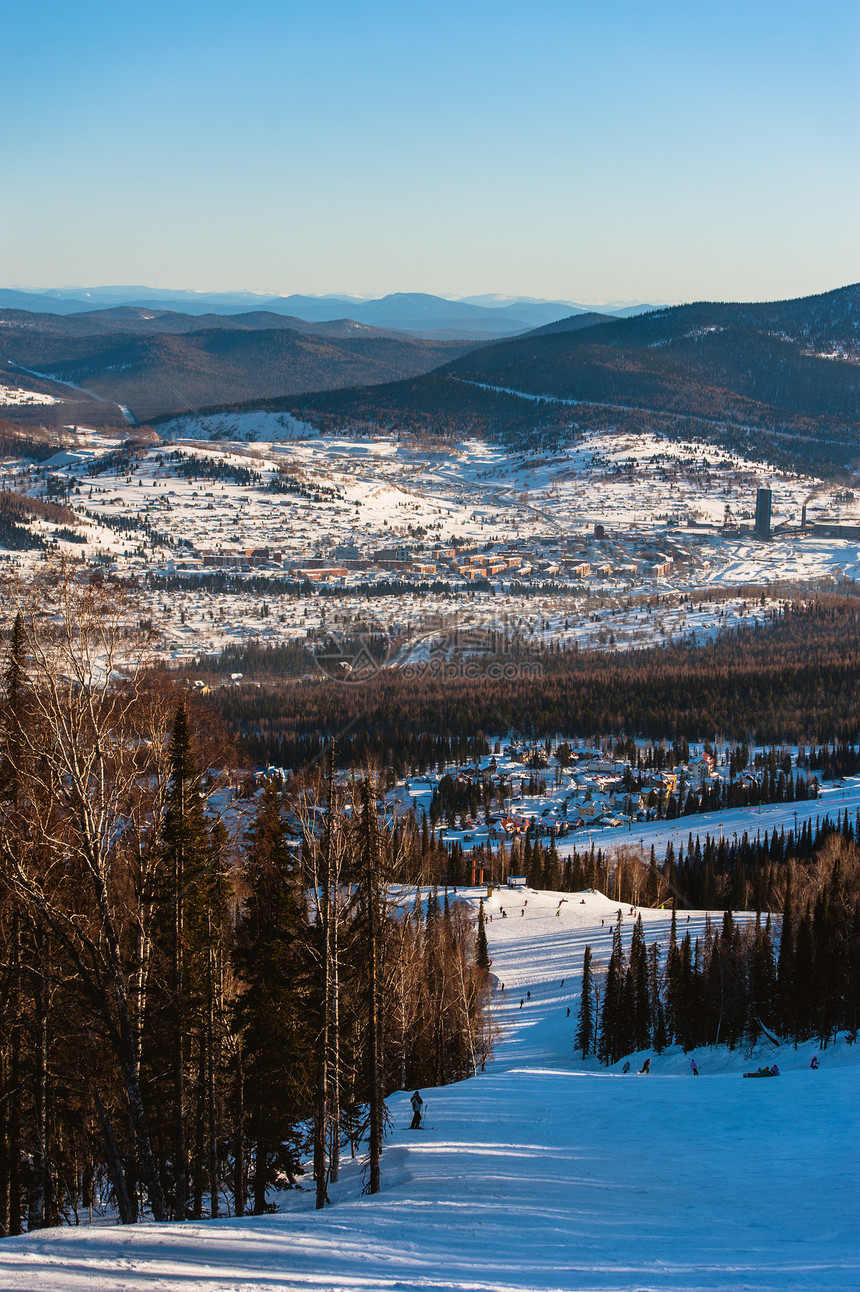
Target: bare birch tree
[{"x": 90, "y": 766}]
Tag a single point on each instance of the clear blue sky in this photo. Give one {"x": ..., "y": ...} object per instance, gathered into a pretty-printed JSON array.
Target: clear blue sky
[{"x": 581, "y": 149}]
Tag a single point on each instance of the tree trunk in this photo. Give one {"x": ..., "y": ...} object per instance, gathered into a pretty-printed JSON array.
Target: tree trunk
[
  {"x": 239, "y": 1140},
  {"x": 198, "y": 1158},
  {"x": 260, "y": 1167},
  {"x": 371, "y": 884},
  {"x": 127, "y": 1212},
  {"x": 321, "y": 1084},
  {"x": 334, "y": 1065},
  {"x": 39, "y": 1208},
  {"x": 214, "y": 1209},
  {"x": 179, "y": 1169}
]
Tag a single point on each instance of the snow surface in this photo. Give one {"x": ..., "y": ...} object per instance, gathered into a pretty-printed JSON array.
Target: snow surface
[
  {"x": 18, "y": 396},
  {"x": 835, "y": 797},
  {"x": 543, "y": 1172}
]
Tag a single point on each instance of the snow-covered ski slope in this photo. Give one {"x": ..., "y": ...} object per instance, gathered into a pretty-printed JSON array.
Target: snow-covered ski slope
[{"x": 543, "y": 1172}]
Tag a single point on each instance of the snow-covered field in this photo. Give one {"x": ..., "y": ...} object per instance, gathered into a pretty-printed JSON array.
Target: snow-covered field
[
  {"x": 543, "y": 1172},
  {"x": 536, "y": 510},
  {"x": 18, "y": 397}
]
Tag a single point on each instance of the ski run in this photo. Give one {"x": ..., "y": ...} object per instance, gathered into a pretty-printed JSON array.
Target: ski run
[{"x": 544, "y": 1171}]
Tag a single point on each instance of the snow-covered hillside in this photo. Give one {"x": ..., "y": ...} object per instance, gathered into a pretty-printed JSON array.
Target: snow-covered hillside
[{"x": 543, "y": 1172}]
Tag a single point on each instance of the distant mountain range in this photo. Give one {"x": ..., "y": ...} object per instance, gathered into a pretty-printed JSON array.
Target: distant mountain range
[
  {"x": 781, "y": 378},
  {"x": 474, "y": 318}
]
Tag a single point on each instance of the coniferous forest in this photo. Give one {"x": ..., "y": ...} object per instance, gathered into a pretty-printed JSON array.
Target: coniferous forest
[
  {"x": 792, "y": 679},
  {"x": 792, "y": 978},
  {"x": 193, "y": 1000}
]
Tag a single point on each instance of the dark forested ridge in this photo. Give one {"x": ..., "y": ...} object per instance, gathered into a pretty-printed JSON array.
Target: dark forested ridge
[
  {"x": 793, "y": 679},
  {"x": 783, "y": 378},
  {"x": 130, "y": 320},
  {"x": 167, "y": 369}
]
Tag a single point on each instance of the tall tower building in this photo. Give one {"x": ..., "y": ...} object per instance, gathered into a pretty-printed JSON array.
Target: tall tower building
[{"x": 763, "y": 500}]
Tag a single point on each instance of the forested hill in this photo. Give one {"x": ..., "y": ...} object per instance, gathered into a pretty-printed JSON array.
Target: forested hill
[
  {"x": 162, "y": 364},
  {"x": 828, "y": 323},
  {"x": 780, "y": 377},
  {"x": 803, "y": 356}
]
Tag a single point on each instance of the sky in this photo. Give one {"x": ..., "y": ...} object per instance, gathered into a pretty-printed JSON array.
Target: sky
[{"x": 587, "y": 150}]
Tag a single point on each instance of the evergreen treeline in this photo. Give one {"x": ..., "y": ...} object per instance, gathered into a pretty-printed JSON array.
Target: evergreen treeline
[
  {"x": 186, "y": 1015},
  {"x": 789, "y": 680},
  {"x": 190, "y": 466},
  {"x": 16, "y": 512},
  {"x": 740, "y": 982},
  {"x": 741, "y": 872}
]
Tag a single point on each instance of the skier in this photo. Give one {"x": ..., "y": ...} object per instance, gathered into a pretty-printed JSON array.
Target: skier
[
  {"x": 522, "y": 1002},
  {"x": 417, "y": 1104},
  {"x": 814, "y": 1063},
  {"x": 528, "y": 995},
  {"x": 646, "y": 1068},
  {"x": 693, "y": 1068},
  {"x": 568, "y": 1011}
]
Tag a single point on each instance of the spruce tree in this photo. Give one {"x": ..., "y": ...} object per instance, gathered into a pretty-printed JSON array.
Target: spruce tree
[
  {"x": 641, "y": 1020},
  {"x": 176, "y": 849},
  {"x": 482, "y": 954},
  {"x": 13, "y": 993},
  {"x": 610, "y": 1043},
  {"x": 276, "y": 1008},
  {"x": 187, "y": 849},
  {"x": 584, "y": 1039}
]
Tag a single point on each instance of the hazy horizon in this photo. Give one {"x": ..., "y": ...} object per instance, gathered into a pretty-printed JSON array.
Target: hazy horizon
[{"x": 490, "y": 299}]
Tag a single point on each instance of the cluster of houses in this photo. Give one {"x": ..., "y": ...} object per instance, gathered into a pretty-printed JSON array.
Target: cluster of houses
[
  {"x": 527, "y": 559},
  {"x": 530, "y": 792}
]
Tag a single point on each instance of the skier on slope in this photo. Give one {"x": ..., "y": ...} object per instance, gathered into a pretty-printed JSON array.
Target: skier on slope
[
  {"x": 417, "y": 1104},
  {"x": 693, "y": 1068}
]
